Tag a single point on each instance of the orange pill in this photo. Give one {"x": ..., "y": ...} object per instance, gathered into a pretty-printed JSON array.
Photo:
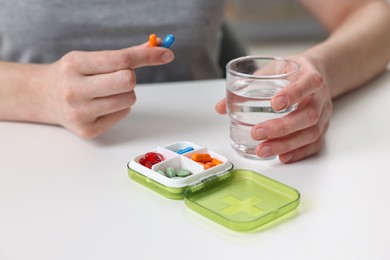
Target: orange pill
[
  {"x": 216, "y": 161},
  {"x": 205, "y": 166},
  {"x": 201, "y": 157},
  {"x": 210, "y": 164},
  {"x": 152, "y": 40}
]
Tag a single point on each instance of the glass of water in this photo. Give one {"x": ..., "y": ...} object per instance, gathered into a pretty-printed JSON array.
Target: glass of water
[{"x": 250, "y": 84}]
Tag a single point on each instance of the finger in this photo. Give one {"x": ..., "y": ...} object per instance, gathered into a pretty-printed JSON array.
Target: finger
[
  {"x": 220, "y": 107},
  {"x": 98, "y": 62},
  {"x": 302, "y": 152},
  {"x": 294, "y": 141},
  {"x": 111, "y": 104},
  {"x": 147, "y": 44},
  {"x": 98, "y": 126},
  {"x": 140, "y": 56},
  {"x": 81, "y": 115},
  {"x": 108, "y": 84},
  {"x": 308, "y": 83},
  {"x": 102, "y": 124},
  {"x": 306, "y": 115}
]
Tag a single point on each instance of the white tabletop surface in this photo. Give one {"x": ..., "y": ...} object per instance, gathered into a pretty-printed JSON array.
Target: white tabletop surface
[{"x": 62, "y": 197}]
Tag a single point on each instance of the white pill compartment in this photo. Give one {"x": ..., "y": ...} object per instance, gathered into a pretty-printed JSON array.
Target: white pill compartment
[{"x": 174, "y": 187}]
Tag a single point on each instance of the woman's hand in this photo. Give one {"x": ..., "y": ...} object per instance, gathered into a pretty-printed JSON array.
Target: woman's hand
[
  {"x": 88, "y": 92},
  {"x": 300, "y": 133}
]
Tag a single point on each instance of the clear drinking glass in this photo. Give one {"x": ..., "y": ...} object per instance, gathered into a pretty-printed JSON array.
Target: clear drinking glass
[{"x": 250, "y": 84}]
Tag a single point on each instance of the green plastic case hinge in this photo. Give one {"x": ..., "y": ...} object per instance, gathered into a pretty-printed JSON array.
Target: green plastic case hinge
[
  {"x": 197, "y": 187},
  {"x": 208, "y": 181}
]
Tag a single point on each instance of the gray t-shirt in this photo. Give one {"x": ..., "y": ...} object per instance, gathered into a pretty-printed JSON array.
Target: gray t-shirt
[{"x": 42, "y": 31}]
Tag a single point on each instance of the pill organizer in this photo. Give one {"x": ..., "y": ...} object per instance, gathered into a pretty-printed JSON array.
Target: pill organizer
[{"x": 238, "y": 199}]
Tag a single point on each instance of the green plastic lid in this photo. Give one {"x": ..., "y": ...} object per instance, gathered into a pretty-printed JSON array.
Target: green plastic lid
[{"x": 242, "y": 199}]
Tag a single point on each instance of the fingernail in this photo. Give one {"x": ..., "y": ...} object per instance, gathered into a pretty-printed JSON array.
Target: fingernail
[
  {"x": 167, "y": 56},
  {"x": 265, "y": 151},
  {"x": 280, "y": 103},
  {"x": 287, "y": 157},
  {"x": 260, "y": 133}
]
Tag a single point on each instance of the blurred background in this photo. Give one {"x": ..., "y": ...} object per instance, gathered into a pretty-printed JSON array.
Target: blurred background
[
  {"x": 267, "y": 27},
  {"x": 273, "y": 27}
]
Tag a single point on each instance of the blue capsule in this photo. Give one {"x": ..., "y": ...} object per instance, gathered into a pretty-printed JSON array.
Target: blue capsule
[
  {"x": 168, "y": 41},
  {"x": 185, "y": 150}
]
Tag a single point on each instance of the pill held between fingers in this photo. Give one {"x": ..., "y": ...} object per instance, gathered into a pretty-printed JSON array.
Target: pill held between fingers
[
  {"x": 152, "y": 40},
  {"x": 168, "y": 41}
]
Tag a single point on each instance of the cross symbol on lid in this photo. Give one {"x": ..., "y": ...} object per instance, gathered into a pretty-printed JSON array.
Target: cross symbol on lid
[{"x": 236, "y": 205}]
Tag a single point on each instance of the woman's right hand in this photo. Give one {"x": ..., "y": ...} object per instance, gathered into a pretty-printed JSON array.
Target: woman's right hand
[{"x": 88, "y": 92}]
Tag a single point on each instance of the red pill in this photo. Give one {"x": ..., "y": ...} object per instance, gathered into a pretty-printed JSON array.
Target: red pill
[
  {"x": 143, "y": 161},
  {"x": 150, "y": 159},
  {"x": 154, "y": 157}
]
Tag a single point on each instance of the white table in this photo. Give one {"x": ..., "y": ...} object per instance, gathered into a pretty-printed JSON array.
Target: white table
[{"x": 62, "y": 197}]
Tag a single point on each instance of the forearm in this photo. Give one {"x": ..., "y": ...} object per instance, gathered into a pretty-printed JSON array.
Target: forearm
[
  {"x": 357, "y": 50},
  {"x": 21, "y": 87}
]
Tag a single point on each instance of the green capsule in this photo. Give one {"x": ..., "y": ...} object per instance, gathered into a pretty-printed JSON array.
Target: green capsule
[
  {"x": 170, "y": 172},
  {"x": 183, "y": 172}
]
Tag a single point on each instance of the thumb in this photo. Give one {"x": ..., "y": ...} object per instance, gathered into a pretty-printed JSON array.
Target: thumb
[
  {"x": 141, "y": 56},
  {"x": 97, "y": 62}
]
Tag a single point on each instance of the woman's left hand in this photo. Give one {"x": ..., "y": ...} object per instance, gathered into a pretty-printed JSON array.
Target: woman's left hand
[{"x": 301, "y": 133}]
